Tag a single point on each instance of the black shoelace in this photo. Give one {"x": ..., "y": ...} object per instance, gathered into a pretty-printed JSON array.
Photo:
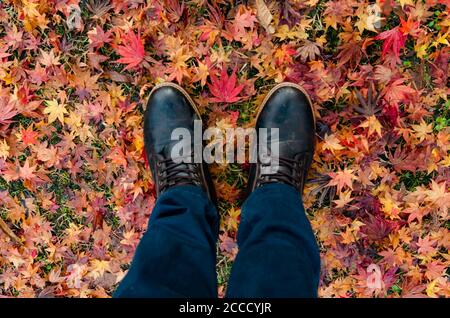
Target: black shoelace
[
  {"x": 172, "y": 173},
  {"x": 294, "y": 175}
]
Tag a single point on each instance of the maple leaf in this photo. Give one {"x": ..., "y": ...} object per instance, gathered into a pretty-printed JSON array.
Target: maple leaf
[
  {"x": 344, "y": 199},
  {"x": 224, "y": 89},
  {"x": 376, "y": 228},
  {"x": 409, "y": 26},
  {"x": 397, "y": 92},
  {"x": 98, "y": 268},
  {"x": 426, "y": 245},
  {"x": 422, "y": 130},
  {"x": 4, "y": 149},
  {"x": 367, "y": 20},
  {"x": 202, "y": 72},
  {"x": 28, "y": 136},
  {"x": 438, "y": 194},
  {"x": 98, "y": 37},
  {"x": 394, "y": 41},
  {"x": 435, "y": 270},
  {"x": 178, "y": 67},
  {"x": 341, "y": 179},
  {"x": 332, "y": 143},
  {"x": 7, "y": 111},
  {"x": 308, "y": 51},
  {"x": 38, "y": 75},
  {"x": 49, "y": 59},
  {"x": 95, "y": 60},
  {"x": 213, "y": 28},
  {"x": 55, "y": 111},
  {"x": 373, "y": 124},
  {"x": 132, "y": 51},
  {"x": 26, "y": 172},
  {"x": 243, "y": 19},
  {"x": 227, "y": 244}
]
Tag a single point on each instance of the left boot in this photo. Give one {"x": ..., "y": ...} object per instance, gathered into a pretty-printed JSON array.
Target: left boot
[
  {"x": 170, "y": 107},
  {"x": 286, "y": 107}
]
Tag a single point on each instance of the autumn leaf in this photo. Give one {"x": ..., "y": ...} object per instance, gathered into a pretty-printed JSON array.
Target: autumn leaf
[
  {"x": 132, "y": 50},
  {"x": 373, "y": 125},
  {"x": 341, "y": 179},
  {"x": 55, "y": 111},
  {"x": 331, "y": 142},
  {"x": 224, "y": 89},
  {"x": 422, "y": 130},
  {"x": 49, "y": 59},
  {"x": 26, "y": 172},
  {"x": 308, "y": 51},
  {"x": 7, "y": 112},
  {"x": 243, "y": 19},
  {"x": 344, "y": 199},
  {"x": 409, "y": 26},
  {"x": 264, "y": 16},
  {"x": 426, "y": 245},
  {"x": 98, "y": 268},
  {"x": 397, "y": 92},
  {"x": 98, "y": 37},
  {"x": 394, "y": 41},
  {"x": 4, "y": 149},
  {"x": 28, "y": 136},
  {"x": 202, "y": 72}
]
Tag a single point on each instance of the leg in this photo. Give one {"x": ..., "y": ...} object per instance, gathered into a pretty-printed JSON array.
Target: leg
[
  {"x": 278, "y": 254},
  {"x": 177, "y": 255}
]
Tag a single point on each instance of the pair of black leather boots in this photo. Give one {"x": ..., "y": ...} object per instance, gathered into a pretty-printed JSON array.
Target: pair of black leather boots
[{"x": 286, "y": 107}]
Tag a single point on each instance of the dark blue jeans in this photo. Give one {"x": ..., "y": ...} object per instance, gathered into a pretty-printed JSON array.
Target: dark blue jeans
[{"x": 278, "y": 255}]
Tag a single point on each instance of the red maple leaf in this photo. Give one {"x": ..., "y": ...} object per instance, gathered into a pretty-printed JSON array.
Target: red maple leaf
[
  {"x": 224, "y": 89},
  {"x": 29, "y": 137},
  {"x": 132, "y": 51},
  {"x": 397, "y": 92},
  {"x": 394, "y": 41}
]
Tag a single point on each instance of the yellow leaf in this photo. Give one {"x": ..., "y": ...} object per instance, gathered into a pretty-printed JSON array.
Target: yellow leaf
[
  {"x": 373, "y": 124},
  {"x": 442, "y": 40},
  {"x": 55, "y": 111},
  {"x": 431, "y": 289},
  {"x": 405, "y": 2},
  {"x": 98, "y": 268},
  {"x": 348, "y": 236},
  {"x": 331, "y": 143},
  {"x": 421, "y": 50},
  {"x": 284, "y": 33},
  {"x": 422, "y": 130},
  {"x": 4, "y": 149}
]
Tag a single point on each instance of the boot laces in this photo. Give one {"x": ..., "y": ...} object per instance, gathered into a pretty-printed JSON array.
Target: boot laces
[
  {"x": 293, "y": 174},
  {"x": 172, "y": 173}
]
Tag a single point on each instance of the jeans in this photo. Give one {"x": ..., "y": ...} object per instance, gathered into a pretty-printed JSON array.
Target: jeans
[{"x": 278, "y": 254}]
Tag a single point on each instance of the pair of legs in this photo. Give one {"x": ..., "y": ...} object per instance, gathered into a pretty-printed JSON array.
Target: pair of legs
[{"x": 278, "y": 254}]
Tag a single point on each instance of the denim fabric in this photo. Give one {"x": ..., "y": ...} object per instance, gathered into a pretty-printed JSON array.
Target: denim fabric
[{"x": 278, "y": 255}]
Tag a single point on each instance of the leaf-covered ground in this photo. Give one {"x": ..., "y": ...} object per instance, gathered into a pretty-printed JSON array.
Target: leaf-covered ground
[{"x": 75, "y": 195}]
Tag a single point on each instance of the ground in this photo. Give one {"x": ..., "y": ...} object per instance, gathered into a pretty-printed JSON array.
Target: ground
[{"x": 75, "y": 193}]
